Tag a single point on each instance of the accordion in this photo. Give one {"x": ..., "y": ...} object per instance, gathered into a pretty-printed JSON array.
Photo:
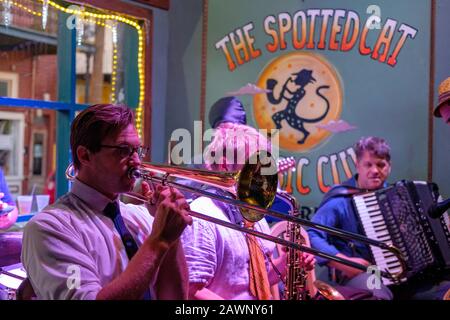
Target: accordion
[{"x": 399, "y": 215}]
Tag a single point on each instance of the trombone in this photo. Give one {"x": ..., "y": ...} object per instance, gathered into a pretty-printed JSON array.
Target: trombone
[{"x": 254, "y": 193}]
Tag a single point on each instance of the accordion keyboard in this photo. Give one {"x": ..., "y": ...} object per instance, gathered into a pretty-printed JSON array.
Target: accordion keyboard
[{"x": 394, "y": 217}]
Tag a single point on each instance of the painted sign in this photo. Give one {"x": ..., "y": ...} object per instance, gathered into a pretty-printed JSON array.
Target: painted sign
[{"x": 326, "y": 73}]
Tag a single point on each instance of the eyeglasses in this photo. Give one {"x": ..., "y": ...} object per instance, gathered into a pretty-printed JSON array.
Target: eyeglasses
[{"x": 127, "y": 151}]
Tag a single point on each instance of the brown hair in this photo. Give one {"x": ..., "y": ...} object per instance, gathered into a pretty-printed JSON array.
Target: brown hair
[
  {"x": 96, "y": 122},
  {"x": 375, "y": 146}
]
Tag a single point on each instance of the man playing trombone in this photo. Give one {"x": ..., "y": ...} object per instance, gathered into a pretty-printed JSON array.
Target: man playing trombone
[{"x": 90, "y": 245}]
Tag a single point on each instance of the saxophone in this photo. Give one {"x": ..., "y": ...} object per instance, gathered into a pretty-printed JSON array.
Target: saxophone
[
  {"x": 296, "y": 275},
  {"x": 300, "y": 284},
  {"x": 295, "y": 283}
]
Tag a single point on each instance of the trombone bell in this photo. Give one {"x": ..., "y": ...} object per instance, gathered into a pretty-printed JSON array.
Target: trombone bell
[{"x": 256, "y": 189}]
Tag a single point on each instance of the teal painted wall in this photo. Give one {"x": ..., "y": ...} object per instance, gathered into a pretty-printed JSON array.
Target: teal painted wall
[
  {"x": 378, "y": 99},
  {"x": 184, "y": 67},
  {"x": 159, "y": 82},
  {"x": 405, "y": 85}
]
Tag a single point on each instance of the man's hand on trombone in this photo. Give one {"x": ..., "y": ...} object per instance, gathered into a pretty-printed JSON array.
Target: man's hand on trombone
[{"x": 169, "y": 208}]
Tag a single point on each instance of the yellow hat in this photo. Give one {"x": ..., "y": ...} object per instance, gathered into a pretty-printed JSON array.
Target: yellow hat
[{"x": 444, "y": 96}]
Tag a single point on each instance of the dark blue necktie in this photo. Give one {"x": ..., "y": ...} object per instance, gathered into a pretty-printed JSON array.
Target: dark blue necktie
[{"x": 112, "y": 211}]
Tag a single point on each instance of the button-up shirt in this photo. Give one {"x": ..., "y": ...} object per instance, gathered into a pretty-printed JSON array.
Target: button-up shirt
[{"x": 71, "y": 249}]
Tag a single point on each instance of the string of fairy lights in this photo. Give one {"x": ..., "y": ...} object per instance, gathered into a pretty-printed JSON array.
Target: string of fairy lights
[{"x": 85, "y": 15}]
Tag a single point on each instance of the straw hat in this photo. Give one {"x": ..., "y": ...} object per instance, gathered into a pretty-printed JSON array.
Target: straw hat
[{"x": 444, "y": 97}]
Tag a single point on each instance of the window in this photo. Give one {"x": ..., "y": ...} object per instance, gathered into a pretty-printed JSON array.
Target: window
[
  {"x": 9, "y": 83},
  {"x": 38, "y": 154},
  {"x": 51, "y": 69},
  {"x": 3, "y": 88}
]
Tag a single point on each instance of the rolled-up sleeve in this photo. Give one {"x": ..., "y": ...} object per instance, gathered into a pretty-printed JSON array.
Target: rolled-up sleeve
[
  {"x": 57, "y": 263},
  {"x": 200, "y": 251},
  {"x": 327, "y": 215},
  {"x": 200, "y": 243}
]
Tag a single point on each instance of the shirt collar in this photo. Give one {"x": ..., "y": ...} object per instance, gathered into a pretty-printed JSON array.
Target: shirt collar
[{"x": 95, "y": 199}]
